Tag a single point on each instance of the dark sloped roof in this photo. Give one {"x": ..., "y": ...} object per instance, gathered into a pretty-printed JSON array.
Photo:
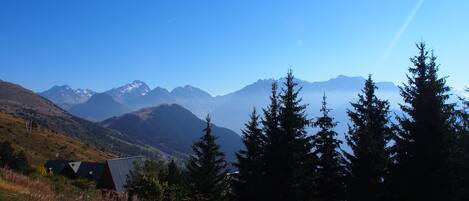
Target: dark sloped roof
[
  {"x": 120, "y": 168},
  {"x": 56, "y": 166},
  {"x": 90, "y": 170}
]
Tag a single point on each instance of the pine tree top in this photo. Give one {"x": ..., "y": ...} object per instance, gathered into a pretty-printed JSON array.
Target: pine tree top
[{"x": 207, "y": 167}]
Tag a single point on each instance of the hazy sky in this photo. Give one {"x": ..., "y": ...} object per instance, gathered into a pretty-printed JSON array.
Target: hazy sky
[{"x": 221, "y": 46}]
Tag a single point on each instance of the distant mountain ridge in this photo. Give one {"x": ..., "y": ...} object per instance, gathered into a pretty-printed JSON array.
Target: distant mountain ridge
[
  {"x": 99, "y": 107},
  {"x": 25, "y": 104},
  {"x": 173, "y": 129},
  {"x": 232, "y": 110},
  {"x": 129, "y": 91},
  {"x": 66, "y": 97}
]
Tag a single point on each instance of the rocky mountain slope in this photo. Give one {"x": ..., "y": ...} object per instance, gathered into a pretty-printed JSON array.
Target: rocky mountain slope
[
  {"x": 99, "y": 107},
  {"x": 172, "y": 129},
  {"x": 65, "y": 96}
]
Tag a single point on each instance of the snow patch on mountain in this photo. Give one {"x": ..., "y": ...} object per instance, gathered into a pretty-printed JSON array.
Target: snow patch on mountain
[
  {"x": 135, "y": 85},
  {"x": 65, "y": 96},
  {"x": 130, "y": 91}
]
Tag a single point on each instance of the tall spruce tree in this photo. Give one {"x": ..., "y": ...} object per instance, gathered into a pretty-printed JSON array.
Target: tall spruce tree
[
  {"x": 295, "y": 145},
  {"x": 425, "y": 136},
  {"x": 330, "y": 178},
  {"x": 459, "y": 157},
  {"x": 287, "y": 158},
  {"x": 207, "y": 169},
  {"x": 176, "y": 188},
  {"x": 174, "y": 175},
  {"x": 272, "y": 189},
  {"x": 250, "y": 164},
  {"x": 368, "y": 136}
]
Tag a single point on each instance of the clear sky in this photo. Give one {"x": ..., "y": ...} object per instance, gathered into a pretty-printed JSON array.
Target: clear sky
[{"x": 221, "y": 46}]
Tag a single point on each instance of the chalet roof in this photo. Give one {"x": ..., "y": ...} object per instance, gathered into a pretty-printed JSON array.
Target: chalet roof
[
  {"x": 56, "y": 166},
  {"x": 120, "y": 168},
  {"x": 90, "y": 170}
]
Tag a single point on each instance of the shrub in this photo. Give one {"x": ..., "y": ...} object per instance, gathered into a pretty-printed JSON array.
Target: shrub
[
  {"x": 83, "y": 184},
  {"x": 10, "y": 159}
]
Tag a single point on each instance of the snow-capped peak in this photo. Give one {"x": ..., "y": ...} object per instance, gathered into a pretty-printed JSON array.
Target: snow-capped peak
[
  {"x": 85, "y": 92},
  {"x": 65, "y": 95},
  {"x": 135, "y": 85},
  {"x": 129, "y": 91}
]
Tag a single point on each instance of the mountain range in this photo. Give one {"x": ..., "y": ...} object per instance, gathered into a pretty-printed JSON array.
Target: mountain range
[
  {"x": 135, "y": 120},
  {"x": 66, "y": 97},
  {"x": 26, "y": 105},
  {"x": 158, "y": 132},
  {"x": 230, "y": 110}
]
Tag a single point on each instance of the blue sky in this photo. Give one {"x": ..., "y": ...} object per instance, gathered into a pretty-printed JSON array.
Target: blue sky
[{"x": 221, "y": 46}]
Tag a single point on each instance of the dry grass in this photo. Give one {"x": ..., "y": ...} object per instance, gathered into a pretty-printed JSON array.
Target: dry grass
[
  {"x": 22, "y": 187},
  {"x": 40, "y": 145},
  {"x": 26, "y": 187},
  {"x": 114, "y": 197},
  {"x": 43, "y": 144}
]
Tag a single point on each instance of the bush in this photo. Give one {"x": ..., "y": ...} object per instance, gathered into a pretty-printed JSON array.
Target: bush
[
  {"x": 20, "y": 162},
  {"x": 83, "y": 184},
  {"x": 150, "y": 181},
  {"x": 10, "y": 159}
]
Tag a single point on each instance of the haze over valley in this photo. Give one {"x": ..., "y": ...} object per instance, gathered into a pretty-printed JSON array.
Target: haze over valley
[{"x": 230, "y": 110}]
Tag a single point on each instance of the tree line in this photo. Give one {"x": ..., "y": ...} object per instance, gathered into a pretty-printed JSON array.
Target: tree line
[{"x": 422, "y": 154}]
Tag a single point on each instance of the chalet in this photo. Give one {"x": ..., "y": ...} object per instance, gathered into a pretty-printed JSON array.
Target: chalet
[
  {"x": 116, "y": 171},
  {"x": 75, "y": 169},
  {"x": 90, "y": 170},
  {"x": 62, "y": 167},
  {"x": 111, "y": 175}
]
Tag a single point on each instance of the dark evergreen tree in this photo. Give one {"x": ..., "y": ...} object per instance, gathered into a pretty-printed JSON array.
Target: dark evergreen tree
[
  {"x": 287, "y": 157},
  {"x": 330, "y": 163},
  {"x": 464, "y": 112},
  {"x": 7, "y": 154},
  {"x": 293, "y": 147},
  {"x": 459, "y": 156},
  {"x": 207, "y": 169},
  {"x": 250, "y": 164},
  {"x": 293, "y": 123},
  {"x": 176, "y": 188},
  {"x": 425, "y": 136},
  {"x": 271, "y": 118},
  {"x": 272, "y": 177},
  {"x": 174, "y": 175},
  {"x": 368, "y": 135},
  {"x": 20, "y": 162},
  {"x": 10, "y": 159}
]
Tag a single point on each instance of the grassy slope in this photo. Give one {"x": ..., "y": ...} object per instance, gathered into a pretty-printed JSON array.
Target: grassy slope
[
  {"x": 15, "y": 186},
  {"x": 43, "y": 144},
  {"x": 26, "y": 104},
  {"x": 40, "y": 145}
]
